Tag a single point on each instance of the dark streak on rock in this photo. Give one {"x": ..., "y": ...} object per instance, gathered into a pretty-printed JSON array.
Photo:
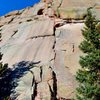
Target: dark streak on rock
[
  {"x": 1, "y": 25},
  {"x": 34, "y": 91},
  {"x": 54, "y": 30},
  {"x": 29, "y": 20},
  {"x": 10, "y": 20},
  {"x": 41, "y": 72},
  {"x": 14, "y": 33},
  {"x": 59, "y": 25},
  {"x": 33, "y": 80},
  {"x": 20, "y": 22},
  {"x": 53, "y": 91},
  {"x": 34, "y": 37},
  {"x": 54, "y": 85}
]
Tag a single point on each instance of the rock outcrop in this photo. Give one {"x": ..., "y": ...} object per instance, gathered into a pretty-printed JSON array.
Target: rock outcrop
[
  {"x": 73, "y": 9},
  {"x": 43, "y": 49}
]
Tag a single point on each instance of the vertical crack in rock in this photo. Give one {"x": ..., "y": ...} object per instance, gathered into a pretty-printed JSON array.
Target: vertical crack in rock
[
  {"x": 53, "y": 91},
  {"x": 41, "y": 72},
  {"x": 34, "y": 90},
  {"x": 33, "y": 80},
  {"x": 54, "y": 85},
  {"x": 54, "y": 29}
]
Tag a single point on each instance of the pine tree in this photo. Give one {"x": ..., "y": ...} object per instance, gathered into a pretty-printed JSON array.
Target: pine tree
[
  {"x": 2, "y": 67},
  {"x": 89, "y": 74}
]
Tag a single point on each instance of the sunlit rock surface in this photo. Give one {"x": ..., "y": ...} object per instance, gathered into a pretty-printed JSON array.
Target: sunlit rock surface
[
  {"x": 42, "y": 51},
  {"x": 76, "y": 9}
]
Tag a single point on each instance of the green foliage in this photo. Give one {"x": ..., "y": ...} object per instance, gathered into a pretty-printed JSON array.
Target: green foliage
[
  {"x": 57, "y": 11},
  {"x": 3, "y": 68},
  {"x": 6, "y": 98},
  {"x": 89, "y": 75}
]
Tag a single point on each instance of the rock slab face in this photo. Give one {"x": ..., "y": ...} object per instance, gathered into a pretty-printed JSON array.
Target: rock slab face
[
  {"x": 42, "y": 52},
  {"x": 73, "y": 9}
]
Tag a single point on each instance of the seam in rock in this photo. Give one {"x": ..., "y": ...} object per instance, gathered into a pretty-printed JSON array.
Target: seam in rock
[
  {"x": 41, "y": 73},
  {"x": 14, "y": 33},
  {"x": 34, "y": 37},
  {"x": 53, "y": 91},
  {"x": 11, "y": 20},
  {"x": 54, "y": 30}
]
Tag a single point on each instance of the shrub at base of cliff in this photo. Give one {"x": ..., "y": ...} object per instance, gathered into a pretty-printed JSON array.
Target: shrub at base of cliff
[{"x": 89, "y": 75}]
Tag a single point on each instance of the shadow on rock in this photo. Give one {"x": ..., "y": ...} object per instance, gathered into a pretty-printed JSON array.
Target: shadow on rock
[{"x": 8, "y": 81}]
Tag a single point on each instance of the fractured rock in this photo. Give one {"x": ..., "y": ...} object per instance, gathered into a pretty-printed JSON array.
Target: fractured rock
[{"x": 50, "y": 44}]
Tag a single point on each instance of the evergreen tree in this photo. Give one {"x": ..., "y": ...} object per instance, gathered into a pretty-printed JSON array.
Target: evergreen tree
[
  {"x": 2, "y": 67},
  {"x": 89, "y": 74}
]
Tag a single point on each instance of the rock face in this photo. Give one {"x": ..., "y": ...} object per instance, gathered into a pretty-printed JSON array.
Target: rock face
[
  {"x": 73, "y": 9},
  {"x": 42, "y": 51}
]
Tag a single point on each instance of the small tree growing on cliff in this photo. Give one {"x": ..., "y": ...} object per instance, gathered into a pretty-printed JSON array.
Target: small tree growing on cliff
[
  {"x": 89, "y": 75},
  {"x": 2, "y": 67}
]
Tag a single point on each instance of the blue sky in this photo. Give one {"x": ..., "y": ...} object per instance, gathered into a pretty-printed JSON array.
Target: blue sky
[{"x": 10, "y": 5}]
